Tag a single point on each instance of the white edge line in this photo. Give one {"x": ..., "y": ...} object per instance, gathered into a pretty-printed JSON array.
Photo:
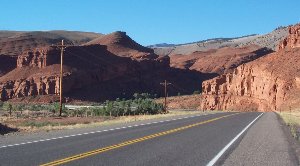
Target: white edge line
[
  {"x": 216, "y": 158},
  {"x": 93, "y": 132}
]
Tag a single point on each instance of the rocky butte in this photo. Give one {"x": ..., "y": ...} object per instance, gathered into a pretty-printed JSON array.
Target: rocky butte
[{"x": 269, "y": 83}]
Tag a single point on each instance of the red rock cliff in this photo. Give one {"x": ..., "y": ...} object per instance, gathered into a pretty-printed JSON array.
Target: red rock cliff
[
  {"x": 293, "y": 40},
  {"x": 266, "y": 84}
]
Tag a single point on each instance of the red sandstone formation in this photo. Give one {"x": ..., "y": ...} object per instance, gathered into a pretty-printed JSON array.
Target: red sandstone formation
[
  {"x": 219, "y": 61},
  {"x": 267, "y": 84},
  {"x": 293, "y": 40}
]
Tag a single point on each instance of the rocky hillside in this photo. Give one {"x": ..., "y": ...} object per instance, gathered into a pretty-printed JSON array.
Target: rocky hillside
[
  {"x": 269, "y": 40},
  {"x": 122, "y": 45},
  {"x": 106, "y": 68},
  {"x": 13, "y": 43},
  {"x": 267, "y": 84},
  {"x": 219, "y": 61}
]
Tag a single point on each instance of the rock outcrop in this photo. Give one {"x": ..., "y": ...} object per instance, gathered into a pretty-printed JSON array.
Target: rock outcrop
[
  {"x": 37, "y": 58},
  {"x": 293, "y": 40},
  {"x": 32, "y": 86},
  {"x": 267, "y": 84}
]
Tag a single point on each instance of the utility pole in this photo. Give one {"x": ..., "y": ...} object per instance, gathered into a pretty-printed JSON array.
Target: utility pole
[
  {"x": 165, "y": 84},
  {"x": 62, "y": 49}
]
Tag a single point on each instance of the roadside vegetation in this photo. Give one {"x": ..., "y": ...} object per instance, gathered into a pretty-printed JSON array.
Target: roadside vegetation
[
  {"x": 46, "y": 115},
  {"x": 141, "y": 104},
  {"x": 292, "y": 120}
]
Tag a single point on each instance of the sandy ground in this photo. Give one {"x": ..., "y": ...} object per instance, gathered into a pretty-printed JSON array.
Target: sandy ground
[{"x": 183, "y": 102}]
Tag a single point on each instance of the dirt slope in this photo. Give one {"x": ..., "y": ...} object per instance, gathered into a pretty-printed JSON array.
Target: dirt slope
[{"x": 219, "y": 61}]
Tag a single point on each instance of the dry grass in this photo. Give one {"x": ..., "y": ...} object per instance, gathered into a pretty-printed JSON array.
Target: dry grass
[
  {"x": 292, "y": 119},
  {"x": 183, "y": 102},
  {"x": 47, "y": 124}
]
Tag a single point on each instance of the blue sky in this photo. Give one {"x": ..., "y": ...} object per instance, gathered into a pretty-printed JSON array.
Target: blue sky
[{"x": 152, "y": 21}]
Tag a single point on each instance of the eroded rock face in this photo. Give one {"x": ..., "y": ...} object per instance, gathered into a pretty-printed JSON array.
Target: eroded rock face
[
  {"x": 267, "y": 84},
  {"x": 293, "y": 40},
  {"x": 248, "y": 87},
  {"x": 37, "y": 58},
  {"x": 29, "y": 87}
]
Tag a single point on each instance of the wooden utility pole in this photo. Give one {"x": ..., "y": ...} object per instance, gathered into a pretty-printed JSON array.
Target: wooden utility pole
[
  {"x": 62, "y": 49},
  {"x": 165, "y": 84}
]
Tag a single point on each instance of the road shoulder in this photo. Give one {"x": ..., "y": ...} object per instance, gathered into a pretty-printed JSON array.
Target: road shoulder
[
  {"x": 265, "y": 143},
  {"x": 294, "y": 144}
]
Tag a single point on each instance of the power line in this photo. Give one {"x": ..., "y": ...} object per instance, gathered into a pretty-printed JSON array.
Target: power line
[{"x": 62, "y": 49}]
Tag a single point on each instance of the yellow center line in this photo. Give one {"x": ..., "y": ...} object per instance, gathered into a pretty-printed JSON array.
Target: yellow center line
[{"x": 126, "y": 143}]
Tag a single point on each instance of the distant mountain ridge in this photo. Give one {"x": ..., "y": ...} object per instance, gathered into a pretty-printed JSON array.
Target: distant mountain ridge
[
  {"x": 201, "y": 41},
  {"x": 269, "y": 40},
  {"x": 161, "y": 45}
]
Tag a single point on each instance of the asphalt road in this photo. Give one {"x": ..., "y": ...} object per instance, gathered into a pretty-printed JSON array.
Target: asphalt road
[{"x": 188, "y": 141}]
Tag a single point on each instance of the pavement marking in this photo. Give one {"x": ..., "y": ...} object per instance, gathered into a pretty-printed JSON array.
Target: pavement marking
[
  {"x": 217, "y": 157},
  {"x": 99, "y": 131},
  {"x": 126, "y": 143}
]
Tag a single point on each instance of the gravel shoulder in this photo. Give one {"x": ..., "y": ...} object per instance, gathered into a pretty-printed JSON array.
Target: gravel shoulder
[{"x": 264, "y": 144}]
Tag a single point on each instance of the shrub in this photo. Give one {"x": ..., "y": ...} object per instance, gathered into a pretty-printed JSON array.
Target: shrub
[
  {"x": 1, "y": 103},
  {"x": 56, "y": 107},
  {"x": 7, "y": 107},
  {"x": 18, "y": 107}
]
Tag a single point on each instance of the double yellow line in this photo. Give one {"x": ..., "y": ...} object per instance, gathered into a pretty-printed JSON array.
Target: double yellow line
[{"x": 126, "y": 143}]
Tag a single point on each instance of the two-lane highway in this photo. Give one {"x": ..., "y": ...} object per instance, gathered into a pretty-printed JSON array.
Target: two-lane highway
[{"x": 189, "y": 141}]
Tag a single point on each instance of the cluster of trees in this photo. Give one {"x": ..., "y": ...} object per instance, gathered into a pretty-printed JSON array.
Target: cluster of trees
[{"x": 140, "y": 104}]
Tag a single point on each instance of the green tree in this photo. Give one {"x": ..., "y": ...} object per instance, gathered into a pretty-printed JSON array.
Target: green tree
[
  {"x": 1, "y": 103},
  {"x": 7, "y": 107}
]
